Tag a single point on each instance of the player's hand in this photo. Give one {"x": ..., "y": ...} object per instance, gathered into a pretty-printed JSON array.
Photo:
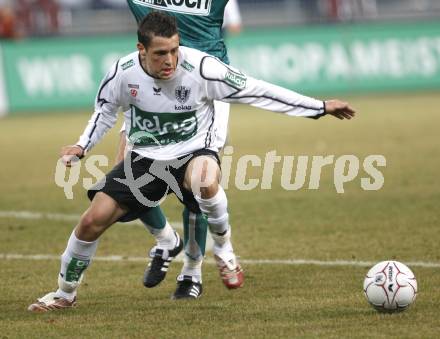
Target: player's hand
[
  {"x": 339, "y": 109},
  {"x": 71, "y": 153}
]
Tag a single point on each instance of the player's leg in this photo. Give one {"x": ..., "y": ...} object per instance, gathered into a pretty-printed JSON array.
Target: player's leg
[
  {"x": 81, "y": 247},
  {"x": 189, "y": 282},
  {"x": 230, "y": 271},
  {"x": 168, "y": 246},
  {"x": 168, "y": 243},
  {"x": 202, "y": 177}
]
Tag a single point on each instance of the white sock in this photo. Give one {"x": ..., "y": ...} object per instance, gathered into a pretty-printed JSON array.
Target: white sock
[
  {"x": 75, "y": 259},
  {"x": 165, "y": 237},
  {"x": 222, "y": 243},
  {"x": 192, "y": 267},
  {"x": 216, "y": 208}
]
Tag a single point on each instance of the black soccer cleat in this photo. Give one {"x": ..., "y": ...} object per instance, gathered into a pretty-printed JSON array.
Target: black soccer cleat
[
  {"x": 187, "y": 288},
  {"x": 160, "y": 261}
]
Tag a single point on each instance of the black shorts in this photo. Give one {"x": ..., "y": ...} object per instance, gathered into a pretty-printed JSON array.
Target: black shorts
[{"x": 159, "y": 178}]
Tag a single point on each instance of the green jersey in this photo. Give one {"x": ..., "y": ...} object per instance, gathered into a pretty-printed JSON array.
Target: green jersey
[{"x": 199, "y": 22}]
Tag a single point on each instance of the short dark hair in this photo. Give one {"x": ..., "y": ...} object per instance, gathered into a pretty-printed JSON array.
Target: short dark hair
[{"x": 156, "y": 24}]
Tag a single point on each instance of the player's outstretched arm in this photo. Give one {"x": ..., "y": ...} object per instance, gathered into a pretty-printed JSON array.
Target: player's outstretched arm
[
  {"x": 228, "y": 84},
  {"x": 69, "y": 153},
  {"x": 339, "y": 109}
]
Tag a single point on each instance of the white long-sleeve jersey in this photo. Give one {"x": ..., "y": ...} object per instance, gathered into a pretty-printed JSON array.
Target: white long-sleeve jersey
[{"x": 169, "y": 118}]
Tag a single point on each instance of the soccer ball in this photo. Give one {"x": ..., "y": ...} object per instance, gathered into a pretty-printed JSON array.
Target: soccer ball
[{"x": 390, "y": 286}]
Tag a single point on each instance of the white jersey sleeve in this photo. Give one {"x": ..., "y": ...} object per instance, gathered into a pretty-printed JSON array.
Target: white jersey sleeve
[
  {"x": 228, "y": 84},
  {"x": 107, "y": 104}
]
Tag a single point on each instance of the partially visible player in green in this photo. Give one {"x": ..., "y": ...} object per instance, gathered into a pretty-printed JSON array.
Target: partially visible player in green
[
  {"x": 200, "y": 27},
  {"x": 199, "y": 23}
]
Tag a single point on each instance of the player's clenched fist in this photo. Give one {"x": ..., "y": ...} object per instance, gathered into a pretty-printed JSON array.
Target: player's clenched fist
[{"x": 71, "y": 153}]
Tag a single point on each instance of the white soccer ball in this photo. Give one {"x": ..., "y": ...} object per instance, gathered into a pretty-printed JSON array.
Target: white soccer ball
[{"x": 390, "y": 286}]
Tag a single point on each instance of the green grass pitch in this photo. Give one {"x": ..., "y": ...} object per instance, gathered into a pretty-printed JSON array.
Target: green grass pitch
[{"x": 400, "y": 221}]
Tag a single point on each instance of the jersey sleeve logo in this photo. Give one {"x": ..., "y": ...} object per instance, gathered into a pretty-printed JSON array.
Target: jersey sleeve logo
[
  {"x": 127, "y": 64},
  {"x": 186, "y": 65},
  {"x": 192, "y": 7},
  {"x": 235, "y": 79}
]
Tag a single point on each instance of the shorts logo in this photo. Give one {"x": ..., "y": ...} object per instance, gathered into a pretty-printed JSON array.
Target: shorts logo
[
  {"x": 182, "y": 94},
  {"x": 192, "y": 7},
  {"x": 133, "y": 93},
  {"x": 235, "y": 79}
]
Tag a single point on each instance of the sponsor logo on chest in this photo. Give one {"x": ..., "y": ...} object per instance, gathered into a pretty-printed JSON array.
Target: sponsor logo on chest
[
  {"x": 193, "y": 7},
  {"x": 163, "y": 128}
]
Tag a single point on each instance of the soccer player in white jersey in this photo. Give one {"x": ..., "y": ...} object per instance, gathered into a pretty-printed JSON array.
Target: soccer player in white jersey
[
  {"x": 173, "y": 146},
  {"x": 200, "y": 27}
]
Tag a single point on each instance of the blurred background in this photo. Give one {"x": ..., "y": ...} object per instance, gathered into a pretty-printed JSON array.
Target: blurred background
[
  {"x": 53, "y": 53},
  {"x": 33, "y": 18}
]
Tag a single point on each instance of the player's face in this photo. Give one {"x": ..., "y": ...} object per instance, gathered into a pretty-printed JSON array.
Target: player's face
[{"x": 160, "y": 58}]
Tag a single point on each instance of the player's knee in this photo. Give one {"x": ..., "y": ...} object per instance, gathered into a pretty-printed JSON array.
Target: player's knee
[
  {"x": 203, "y": 176},
  {"x": 205, "y": 185},
  {"x": 209, "y": 191},
  {"x": 90, "y": 226}
]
